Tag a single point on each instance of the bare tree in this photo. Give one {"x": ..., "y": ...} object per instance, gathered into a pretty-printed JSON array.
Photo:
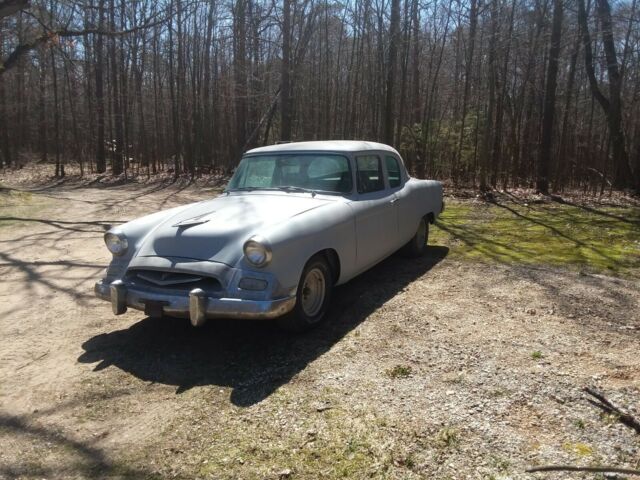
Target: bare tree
[
  {"x": 542, "y": 182},
  {"x": 285, "y": 93},
  {"x": 475, "y": 92}
]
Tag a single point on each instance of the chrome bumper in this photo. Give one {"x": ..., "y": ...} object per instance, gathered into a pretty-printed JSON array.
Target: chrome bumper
[{"x": 196, "y": 306}]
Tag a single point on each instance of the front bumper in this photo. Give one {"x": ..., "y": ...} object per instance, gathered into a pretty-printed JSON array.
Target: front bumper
[{"x": 196, "y": 306}]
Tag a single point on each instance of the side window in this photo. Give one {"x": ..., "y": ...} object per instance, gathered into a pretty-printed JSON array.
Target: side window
[
  {"x": 393, "y": 170},
  {"x": 370, "y": 178},
  {"x": 330, "y": 173}
]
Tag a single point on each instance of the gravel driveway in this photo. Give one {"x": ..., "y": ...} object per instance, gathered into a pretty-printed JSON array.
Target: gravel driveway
[{"x": 436, "y": 368}]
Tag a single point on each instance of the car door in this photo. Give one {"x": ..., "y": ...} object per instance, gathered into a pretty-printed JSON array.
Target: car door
[
  {"x": 406, "y": 222},
  {"x": 375, "y": 212}
]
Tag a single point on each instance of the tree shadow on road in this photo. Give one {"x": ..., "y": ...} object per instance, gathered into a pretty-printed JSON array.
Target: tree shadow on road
[
  {"x": 73, "y": 458},
  {"x": 253, "y": 358}
]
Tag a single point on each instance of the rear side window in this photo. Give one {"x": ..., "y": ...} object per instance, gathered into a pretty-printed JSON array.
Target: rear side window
[
  {"x": 370, "y": 178},
  {"x": 393, "y": 170}
]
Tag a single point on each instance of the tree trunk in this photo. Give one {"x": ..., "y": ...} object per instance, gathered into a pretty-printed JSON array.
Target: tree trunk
[
  {"x": 285, "y": 74},
  {"x": 5, "y": 148},
  {"x": 394, "y": 31},
  {"x": 542, "y": 182},
  {"x": 487, "y": 154},
  {"x": 240, "y": 74},
  {"x": 473, "y": 23},
  {"x": 623, "y": 176},
  {"x": 612, "y": 106},
  {"x": 101, "y": 162},
  {"x": 117, "y": 149}
]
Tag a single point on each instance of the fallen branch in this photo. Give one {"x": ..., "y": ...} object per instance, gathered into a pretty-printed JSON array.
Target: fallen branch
[
  {"x": 570, "y": 468},
  {"x": 605, "y": 405},
  {"x": 600, "y": 174}
]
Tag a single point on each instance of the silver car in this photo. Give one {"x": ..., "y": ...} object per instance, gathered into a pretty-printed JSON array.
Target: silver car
[{"x": 295, "y": 221}]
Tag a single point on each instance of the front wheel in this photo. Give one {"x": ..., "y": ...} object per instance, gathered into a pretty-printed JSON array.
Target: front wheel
[
  {"x": 418, "y": 244},
  {"x": 312, "y": 297}
]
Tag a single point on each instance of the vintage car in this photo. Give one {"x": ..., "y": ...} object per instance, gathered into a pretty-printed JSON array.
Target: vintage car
[{"x": 295, "y": 220}]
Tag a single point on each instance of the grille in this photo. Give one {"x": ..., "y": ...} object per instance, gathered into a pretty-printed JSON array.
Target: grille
[{"x": 171, "y": 280}]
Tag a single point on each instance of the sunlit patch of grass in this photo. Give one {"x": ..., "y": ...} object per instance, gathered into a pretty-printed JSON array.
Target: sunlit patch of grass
[
  {"x": 341, "y": 446},
  {"x": 447, "y": 437},
  {"x": 599, "y": 240},
  {"x": 578, "y": 449},
  {"x": 15, "y": 204},
  {"x": 499, "y": 463},
  {"x": 609, "y": 418},
  {"x": 399, "y": 371}
]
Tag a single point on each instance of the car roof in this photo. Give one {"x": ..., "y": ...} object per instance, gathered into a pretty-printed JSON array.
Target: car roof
[{"x": 325, "y": 146}]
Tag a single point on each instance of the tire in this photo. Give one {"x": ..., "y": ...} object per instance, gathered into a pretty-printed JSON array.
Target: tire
[
  {"x": 418, "y": 244},
  {"x": 312, "y": 297}
]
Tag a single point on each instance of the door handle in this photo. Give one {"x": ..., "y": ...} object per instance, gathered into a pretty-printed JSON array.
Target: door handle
[{"x": 393, "y": 200}]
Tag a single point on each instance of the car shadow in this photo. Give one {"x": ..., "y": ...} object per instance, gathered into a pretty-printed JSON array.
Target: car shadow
[{"x": 253, "y": 358}]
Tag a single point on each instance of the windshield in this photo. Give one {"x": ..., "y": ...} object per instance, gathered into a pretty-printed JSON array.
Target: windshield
[{"x": 308, "y": 171}]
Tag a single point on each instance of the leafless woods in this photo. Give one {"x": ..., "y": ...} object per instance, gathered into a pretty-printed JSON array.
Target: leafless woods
[{"x": 490, "y": 93}]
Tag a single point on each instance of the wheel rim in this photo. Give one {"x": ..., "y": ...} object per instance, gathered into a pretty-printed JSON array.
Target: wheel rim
[
  {"x": 313, "y": 291},
  {"x": 421, "y": 234}
]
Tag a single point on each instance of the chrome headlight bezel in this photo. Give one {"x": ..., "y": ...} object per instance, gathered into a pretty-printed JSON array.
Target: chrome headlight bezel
[
  {"x": 116, "y": 242},
  {"x": 257, "y": 251}
]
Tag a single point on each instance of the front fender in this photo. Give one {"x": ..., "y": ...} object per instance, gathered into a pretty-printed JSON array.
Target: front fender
[{"x": 294, "y": 242}]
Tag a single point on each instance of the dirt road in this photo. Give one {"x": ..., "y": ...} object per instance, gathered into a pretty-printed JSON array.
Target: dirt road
[{"x": 430, "y": 369}]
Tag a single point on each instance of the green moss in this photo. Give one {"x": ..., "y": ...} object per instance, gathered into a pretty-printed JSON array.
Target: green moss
[
  {"x": 597, "y": 240},
  {"x": 579, "y": 449}
]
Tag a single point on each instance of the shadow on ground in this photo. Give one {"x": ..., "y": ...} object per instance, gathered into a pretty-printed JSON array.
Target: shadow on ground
[
  {"x": 82, "y": 460},
  {"x": 253, "y": 358}
]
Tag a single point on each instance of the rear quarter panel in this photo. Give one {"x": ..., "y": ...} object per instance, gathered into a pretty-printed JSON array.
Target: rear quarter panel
[{"x": 419, "y": 198}]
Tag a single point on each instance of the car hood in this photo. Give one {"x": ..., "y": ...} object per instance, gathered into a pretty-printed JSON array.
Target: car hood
[{"x": 216, "y": 229}]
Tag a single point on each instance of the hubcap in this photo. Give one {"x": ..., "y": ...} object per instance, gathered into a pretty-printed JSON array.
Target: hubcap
[
  {"x": 313, "y": 291},
  {"x": 421, "y": 235}
]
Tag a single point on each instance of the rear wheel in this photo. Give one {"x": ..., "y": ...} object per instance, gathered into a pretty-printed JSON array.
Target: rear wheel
[
  {"x": 418, "y": 244},
  {"x": 312, "y": 297}
]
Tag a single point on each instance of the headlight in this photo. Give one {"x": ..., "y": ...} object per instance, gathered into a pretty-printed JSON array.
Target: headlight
[
  {"x": 257, "y": 251},
  {"x": 116, "y": 242}
]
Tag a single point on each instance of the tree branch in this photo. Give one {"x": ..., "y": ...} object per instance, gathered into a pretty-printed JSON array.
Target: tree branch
[
  {"x": 9, "y": 7},
  {"x": 24, "y": 48},
  {"x": 571, "y": 468},
  {"x": 604, "y": 404}
]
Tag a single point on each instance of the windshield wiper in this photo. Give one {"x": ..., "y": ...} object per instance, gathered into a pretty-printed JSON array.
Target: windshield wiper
[
  {"x": 245, "y": 189},
  {"x": 290, "y": 188},
  {"x": 285, "y": 188}
]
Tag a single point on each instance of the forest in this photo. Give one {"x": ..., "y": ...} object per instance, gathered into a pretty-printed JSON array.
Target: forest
[{"x": 489, "y": 94}]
